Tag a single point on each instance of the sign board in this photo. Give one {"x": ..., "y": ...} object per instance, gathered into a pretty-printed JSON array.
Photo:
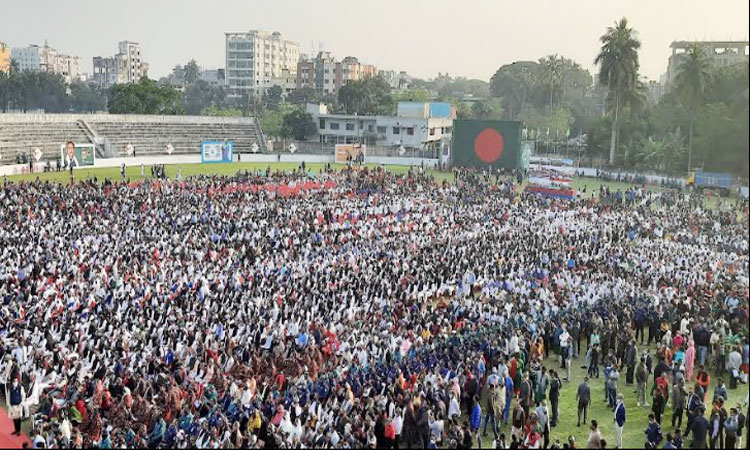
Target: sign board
[
  {"x": 37, "y": 154},
  {"x": 349, "y": 152},
  {"x": 254, "y": 148},
  {"x": 216, "y": 152},
  {"x": 292, "y": 148},
  {"x": 83, "y": 155},
  {"x": 129, "y": 149},
  {"x": 169, "y": 148}
]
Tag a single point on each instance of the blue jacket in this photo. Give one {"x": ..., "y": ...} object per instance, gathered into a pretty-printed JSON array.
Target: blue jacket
[
  {"x": 476, "y": 416},
  {"x": 620, "y": 414},
  {"x": 653, "y": 433}
]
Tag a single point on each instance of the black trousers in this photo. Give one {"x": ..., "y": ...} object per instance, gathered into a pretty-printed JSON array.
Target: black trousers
[
  {"x": 554, "y": 404},
  {"x": 629, "y": 375},
  {"x": 17, "y": 425},
  {"x": 677, "y": 417}
]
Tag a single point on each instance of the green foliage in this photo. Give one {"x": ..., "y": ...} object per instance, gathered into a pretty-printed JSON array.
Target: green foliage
[
  {"x": 272, "y": 120},
  {"x": 221, "y": 112},
  {"x": 87, "y": 97},
  {"x": 297, "y": 124},
  {"x": 618, "y": 70},
  {"x": 200, "y": 95},
  {"x": 488, "y": 109},
  {"x": 303, "y": 95},
  {"x": 33, "y": 90},
  {"x": 413, "y": 95},
  {"x": 272, "y": 98},
  {"x": 145, "y": 97},
  {"x": 368, "y": 97}
]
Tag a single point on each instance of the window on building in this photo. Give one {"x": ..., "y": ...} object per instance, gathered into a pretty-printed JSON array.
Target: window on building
[
  {"x": 410, "y": 131},
  {"x": 334, "y": 125},
  {"x": 349, "y": 127},
  {"x": 322, "y": 124},
  {"x": 381, "y": 130},
  {"x": 396, "y": 130}
]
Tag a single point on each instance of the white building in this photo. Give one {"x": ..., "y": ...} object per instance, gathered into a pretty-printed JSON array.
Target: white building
[
  {"x": 416, "y": 125},
  {"x": 287, "y": 81},
  {"x": 214, "y": 77},
  {"x": 397, "y": 80},
  {"x": 126, "y": 66},
  {"x": 47, "y": 59},
  {"x": 255, "y": 58},
  {"x": 721, "y": 53}
]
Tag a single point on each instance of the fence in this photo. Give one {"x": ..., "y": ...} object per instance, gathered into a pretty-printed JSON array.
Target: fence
[{"x": 319, "y": 148}]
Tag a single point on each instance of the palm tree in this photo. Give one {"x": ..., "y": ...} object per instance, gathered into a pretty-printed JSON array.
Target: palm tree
[
  {"x": 694, "y": 76},
  {"x": 552, "y": 67},
  {"x": 618, "y": 69}
]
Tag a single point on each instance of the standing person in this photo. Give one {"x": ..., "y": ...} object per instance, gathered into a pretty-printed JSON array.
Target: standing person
[
  {"x": 699, "y": 429},
  {"x": 631, "y": 357},
  {"x": 554, "y": 397},
  {"x": 641, "y": 379},
  {"x": 679, "y": 397},
  {"x": 584, "y": 398},
  {"x": 690, "y": 361},
  {"x": 14, "y": 398},
  {"x": 519, "y": 421},
  {"x": 490, "y": 414},
  {"x": 509, "y": 387},
  {"x": 542, "y": 415},
  {"x": 620, "y": 419},
  {"x": 731, "y": 426},
  {"x": 612, "y": 378},
  {"x": 595, "y": 436}
]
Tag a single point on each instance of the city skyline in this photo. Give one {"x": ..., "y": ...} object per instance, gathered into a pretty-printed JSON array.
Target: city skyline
[{"x": 452, "y": 39}]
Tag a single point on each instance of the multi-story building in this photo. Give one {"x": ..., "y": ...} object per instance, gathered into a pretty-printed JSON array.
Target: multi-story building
[
  {"x": 416, "y": 125},
  {"x": 4, "y": 57},
  {"x": 287, "y": 81},
  {"x": 126, "y": 66},
  {"x": 325, "y": 74},
  {"x": 255, "y": 58},
  {"x": 397, "y": 80},
  {"x": 47, "y": 59},
  {"x": 27, "y": 58},
  {"x": 722, "y": 53},
  {"x": 214, "y": 77}
]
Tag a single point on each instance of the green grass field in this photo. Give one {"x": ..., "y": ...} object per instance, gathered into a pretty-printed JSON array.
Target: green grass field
[{"x": 637, "y": 418}]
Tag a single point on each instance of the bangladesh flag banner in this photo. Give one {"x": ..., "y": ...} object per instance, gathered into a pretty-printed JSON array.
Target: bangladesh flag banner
[{"x": 487, "y": 143}]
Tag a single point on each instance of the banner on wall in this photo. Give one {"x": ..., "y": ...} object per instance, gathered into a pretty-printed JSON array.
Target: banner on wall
[
  {"x": 82, "y": 155},
  {"x": 217, "y": 152},
  {"x": 350, "y": 152}
]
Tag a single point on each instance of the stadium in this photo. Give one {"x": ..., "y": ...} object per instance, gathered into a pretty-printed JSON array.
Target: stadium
[{"x": 410, "y": 275}]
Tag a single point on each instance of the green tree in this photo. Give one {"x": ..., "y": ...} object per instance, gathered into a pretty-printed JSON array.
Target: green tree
[
  {"x": 86, "y": 97},
  {"x": 303, "y": 95},
  {"x": 371, "y": 96},
  {"x": 222, "y": 112},
  {"x": 488, "y": 109},
  {"x": 272, "y": 97},
  {"x": 272, "y": 121},
  {"x": 144, "y": 97},
  {"x": 515, "y": 83},
  {"x": 192, "y": 72},
  {"x": 618, "y": 70},
  {"x": 551, "y": 75},
  {"x": 297, "y": 124},
  {"x": 691, "y": 83},
  {"x": 201, "y": 95}
]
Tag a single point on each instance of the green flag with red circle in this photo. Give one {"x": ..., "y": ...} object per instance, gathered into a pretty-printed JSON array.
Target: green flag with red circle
[{"x": 486, "y": 143}]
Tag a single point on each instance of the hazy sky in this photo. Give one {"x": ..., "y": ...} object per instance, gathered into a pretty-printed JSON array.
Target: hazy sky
[{"x": 463, "y": 37}]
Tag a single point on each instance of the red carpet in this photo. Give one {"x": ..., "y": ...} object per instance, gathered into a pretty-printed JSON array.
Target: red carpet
[{"x": 7, "y": 440}]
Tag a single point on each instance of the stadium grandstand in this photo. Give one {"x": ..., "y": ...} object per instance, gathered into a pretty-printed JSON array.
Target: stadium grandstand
[{"x": 22, "y": 134}]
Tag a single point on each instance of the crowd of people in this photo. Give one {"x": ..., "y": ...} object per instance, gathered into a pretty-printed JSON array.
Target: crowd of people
[{"x": 371, "y": 309}]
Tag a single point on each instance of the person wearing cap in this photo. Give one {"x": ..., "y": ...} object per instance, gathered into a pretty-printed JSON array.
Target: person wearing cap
[{"x": 620, "y": 419}]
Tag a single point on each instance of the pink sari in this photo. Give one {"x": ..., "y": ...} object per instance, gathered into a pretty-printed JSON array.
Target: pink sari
[{"x": 690, "y": 361}]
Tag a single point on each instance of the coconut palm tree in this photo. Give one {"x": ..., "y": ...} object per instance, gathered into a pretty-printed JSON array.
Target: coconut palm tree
[
  {"x": 618, "y": 70},
  {"x": 551, "y": 76},
  {"x": 693, "y": 78}
]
